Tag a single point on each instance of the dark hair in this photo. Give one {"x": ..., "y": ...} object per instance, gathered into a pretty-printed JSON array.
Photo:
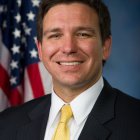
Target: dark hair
[{"x": 97, "y": 5}]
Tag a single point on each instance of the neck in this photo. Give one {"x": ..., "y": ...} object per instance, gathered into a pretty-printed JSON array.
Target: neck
[{"x": 68, "y": 93}]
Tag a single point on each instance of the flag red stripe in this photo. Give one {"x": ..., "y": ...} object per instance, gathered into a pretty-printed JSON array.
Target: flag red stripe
[
  {"x": 4, "y": 81},
  {"x": 15, "y": 98},
  {"x": 35, "y": 80},
  {"x": 13, "y": 95}
]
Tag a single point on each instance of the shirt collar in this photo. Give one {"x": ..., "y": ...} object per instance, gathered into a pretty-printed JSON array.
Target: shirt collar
[
  {"x": 56, "y": 105},
  {"x": 81, "y": 105}
]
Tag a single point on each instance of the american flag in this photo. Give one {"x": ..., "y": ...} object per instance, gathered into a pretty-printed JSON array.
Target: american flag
[{"x": 22, "y": 76}]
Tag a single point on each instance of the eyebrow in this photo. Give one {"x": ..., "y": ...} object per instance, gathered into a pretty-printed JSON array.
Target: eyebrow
[
  {"x": 81, "y": 28},
  {"x": 53, "y": 30}
]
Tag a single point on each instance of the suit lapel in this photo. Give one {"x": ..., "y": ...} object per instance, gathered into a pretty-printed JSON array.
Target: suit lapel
[
  {"x": 35, "y": 128},
  {"x": 102, "y": 112}
]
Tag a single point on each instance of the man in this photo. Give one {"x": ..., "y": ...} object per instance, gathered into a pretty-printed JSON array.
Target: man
[{"x": 74, "y": 41}]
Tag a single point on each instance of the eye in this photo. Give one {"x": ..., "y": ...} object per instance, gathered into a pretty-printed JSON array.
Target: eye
[
  {"x": 84, "y": 35},
  {"x": 54, "y": 36}
]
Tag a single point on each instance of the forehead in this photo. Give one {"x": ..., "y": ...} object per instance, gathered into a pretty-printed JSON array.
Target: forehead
[{"x": 71, "y": 13}]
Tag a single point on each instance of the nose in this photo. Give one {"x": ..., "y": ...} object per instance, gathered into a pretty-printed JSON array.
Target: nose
[{"x": 69, "y": 45}]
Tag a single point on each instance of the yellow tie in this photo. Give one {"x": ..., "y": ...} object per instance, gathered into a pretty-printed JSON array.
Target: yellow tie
[{"x": 62, "y": 131}]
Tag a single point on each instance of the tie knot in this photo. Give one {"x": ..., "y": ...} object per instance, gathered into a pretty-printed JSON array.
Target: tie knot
[{"x": 66, "y": 113}]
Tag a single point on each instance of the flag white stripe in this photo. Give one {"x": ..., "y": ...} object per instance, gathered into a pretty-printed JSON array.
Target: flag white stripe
[
  {"x": 28, "y": 93},
  {"x": 46, "y": 78},
  {"x": 4, "y": 103},
  {"x": 4, "y": 55}
]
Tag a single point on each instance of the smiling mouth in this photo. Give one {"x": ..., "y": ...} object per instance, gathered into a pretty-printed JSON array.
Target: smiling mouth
[{"x": 69, "y": 63}]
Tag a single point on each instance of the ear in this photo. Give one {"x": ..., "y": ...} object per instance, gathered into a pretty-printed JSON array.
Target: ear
[
  {"x": 107, "y": 48},
  {"x": 39, "y": 47}
]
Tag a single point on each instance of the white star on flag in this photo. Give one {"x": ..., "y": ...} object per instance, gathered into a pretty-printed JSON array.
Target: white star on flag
[
  {"x": 19, "y": 3},
  {"x": 4, "y": 24},
  {"x": 17, "y": 33},
  {"x": 23, "y": 40},
  {"x": 14, "y": 64},
  {"x": 1, "y": 9},
  {"x": 28, "y": 31},
  {"x": 35, "y": 39},
  {"x": 31, "y": 16},
  {"x": 35, "y": 3},
  {"x": 33, "y": 53},
  {"x": 15, "y": 49},
  {"x": 13, "y": 80},
  {"x": 18, "y": 18}
]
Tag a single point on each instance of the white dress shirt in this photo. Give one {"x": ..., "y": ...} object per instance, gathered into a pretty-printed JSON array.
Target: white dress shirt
[{"x": 81, "y": 107}]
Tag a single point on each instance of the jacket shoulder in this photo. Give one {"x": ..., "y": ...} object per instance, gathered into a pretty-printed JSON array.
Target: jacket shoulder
[
  {"x": 127, "y": 101},
  {"x": 21, "y": 111},
  {"x": 127, "y": 110}
]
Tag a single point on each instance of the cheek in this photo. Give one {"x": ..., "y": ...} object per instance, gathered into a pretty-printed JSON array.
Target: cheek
[
  {"x": 95, "y": 56},
  {"x": 48, "y": 50},
  {"x": 47, "y": 53},
  {"x": 92, "y": 49}
]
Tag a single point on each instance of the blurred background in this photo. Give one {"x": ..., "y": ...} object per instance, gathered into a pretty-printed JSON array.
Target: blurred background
[
  {"x": 22, "y": 76},
  {"x": 123, "y": 67}
]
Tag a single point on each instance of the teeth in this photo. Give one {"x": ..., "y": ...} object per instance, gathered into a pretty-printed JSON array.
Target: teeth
[{"x": 70, "y": 63}]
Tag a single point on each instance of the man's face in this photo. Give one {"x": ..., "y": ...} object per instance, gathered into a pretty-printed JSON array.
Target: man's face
[{"x": 71, "y": 47}]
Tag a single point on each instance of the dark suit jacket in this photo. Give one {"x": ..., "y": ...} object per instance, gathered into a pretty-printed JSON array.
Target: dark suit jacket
[{"x": 115, "y": 116}]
